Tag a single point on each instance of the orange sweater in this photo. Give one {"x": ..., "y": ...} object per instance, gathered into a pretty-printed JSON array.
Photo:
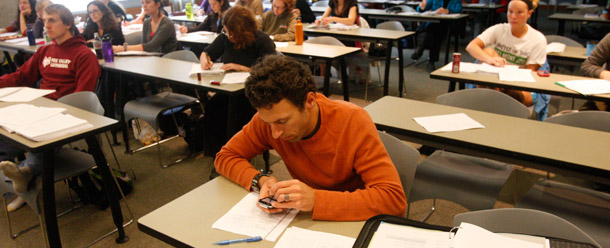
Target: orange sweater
[{"x": 344, "y": 161}]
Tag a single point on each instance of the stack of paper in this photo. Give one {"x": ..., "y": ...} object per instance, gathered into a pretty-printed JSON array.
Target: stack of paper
[
  {"x": 40, "y": 123},
  {"x": 340, "y": 26},
  {"x": 196, "y": 68},
  {"x": 235, "y": 78},
  {"x": 555, "y": 47},
  {"x": 22, "y": 94},
  {"x": 518, "y": 75},
  {"x": 587, "y": 87},
  {"x": 447, "y": 123}
]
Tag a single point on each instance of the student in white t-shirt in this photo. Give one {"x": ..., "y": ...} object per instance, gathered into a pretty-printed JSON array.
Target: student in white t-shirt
[{"x": 514, "y": 43}]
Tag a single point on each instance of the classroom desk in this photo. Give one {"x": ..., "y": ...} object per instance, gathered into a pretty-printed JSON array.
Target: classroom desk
[
  {"x": 573, "y": 56},
  {"x": 372, "y": 35},
  {"x": 175, "y": 72},
  {"x": 327, "y": 53},
  {"x": 565, "y": 150},
  {"x": 100, "y": 124},
  {"x": 8, "y": 47},
  {"x": 182, "y": 18},
  {"x": 187, "y": 221},
  {"x": 543, "y": 84},
  {"x": 561, "y": 18}
]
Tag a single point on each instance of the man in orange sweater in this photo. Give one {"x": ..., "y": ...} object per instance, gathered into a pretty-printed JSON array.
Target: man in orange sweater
[{"x": 341, "y": 169}]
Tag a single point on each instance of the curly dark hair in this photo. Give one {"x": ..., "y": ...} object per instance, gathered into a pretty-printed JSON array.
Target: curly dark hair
[
  {"x": 277, "y": 77},
  {"x": 108, "y": 20},
  {"x": 240, "y": 23}
]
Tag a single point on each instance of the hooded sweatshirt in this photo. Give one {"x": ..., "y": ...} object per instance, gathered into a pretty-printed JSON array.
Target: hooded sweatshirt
[{"x": 67, "y": 68}]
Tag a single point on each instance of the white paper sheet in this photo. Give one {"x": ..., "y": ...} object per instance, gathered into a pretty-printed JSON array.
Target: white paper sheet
[
  {"x": 247, "y": 219},
  {"x": 471, "y": 236},
  {"x": 485, "y": 68},
  {"x": 281, "y": 44},
  {"x": 340, "y": 26},
  {"x": 295, "y": 237},
  {"x": 235, "y": 78},
  {"x": 53, "y": 127},
  {"x": 196, "y": 68},
  {"x": 399, "y": 236},
  {"x": 587, "y": 87},
  {"x": 198, "y": 37},
  {"x": 13, "y": 116},
  {"x": 555, "y": 47},
  {"x": 447, "y": 123},
  {"x": 519, "y": 75},
  {"x": 18, "y": 40},
  {"x": 22, "y": 94},
  {"x": 464, "y": 67},
  {"x": 137, "y": 53}
]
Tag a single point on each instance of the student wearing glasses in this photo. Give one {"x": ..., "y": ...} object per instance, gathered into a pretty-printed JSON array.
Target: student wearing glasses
[
  {"x": 101, "y": 20},
  {"x": 280, "y": 22},
  {"x": 213, "y": 22},
  {"x": 158, "y": 31},
  {"x": 514, "y": 43},
  {"x": 239, "y": 45}
]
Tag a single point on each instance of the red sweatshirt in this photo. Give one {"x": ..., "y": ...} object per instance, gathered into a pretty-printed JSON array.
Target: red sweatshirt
[
  {"x": 67, "y": 68},
  {"x": 344, "y": 161}
]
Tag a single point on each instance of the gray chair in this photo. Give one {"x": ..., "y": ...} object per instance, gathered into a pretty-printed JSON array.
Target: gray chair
[
  {"x": 134, "y": 38},
  {"x": 404, "y": 158},
  {"x": 184, "y": 55},
  {"x": 472, "y": 182},
  {"x": 388, "y": 25},
  {"x": 320, "y": 4},
  {"x": 326, "y": 40},
  {"x": 596, "y": 120},
  {"x": 586, "y": 208},
  {"x": 562, "y": 39},
  {"x": 524, "y": 221}
]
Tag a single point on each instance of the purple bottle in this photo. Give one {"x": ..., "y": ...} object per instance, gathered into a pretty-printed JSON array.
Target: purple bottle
[{"x": 107, "y": 48}]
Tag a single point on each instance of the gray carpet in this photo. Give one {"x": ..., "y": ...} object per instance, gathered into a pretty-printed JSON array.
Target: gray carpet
[{"x": 155, "y": 187}]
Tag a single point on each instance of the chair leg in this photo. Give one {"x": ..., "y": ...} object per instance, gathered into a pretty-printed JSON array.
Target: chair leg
[{"x": 431, "y": 210}]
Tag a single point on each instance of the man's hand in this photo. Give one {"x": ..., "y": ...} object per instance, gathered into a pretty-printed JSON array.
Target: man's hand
[
  {"x": 293, "y": 194},
  {"x": 234, "y": 67},
  {"x": 605, "y": 75},
  {"x": 183, "y": 29},
  {"x": 267, "y": 182},
  {"x": 296, "y": 11},
  {"x": 206, "y": 62},
  {"x": 442, "y": 10},
  {"x": 497, "y": 61}
]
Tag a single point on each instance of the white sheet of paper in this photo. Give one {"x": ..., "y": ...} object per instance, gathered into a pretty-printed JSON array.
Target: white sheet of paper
[
  {"x": 196, "y": 68},
  {"x": 340, "y": 26},
  {"x": 519, "y": 75},
  {"x": 555, "y": 47},
  {"x": 235, "y": 78},
  {"x": 8, "y": 34},
  {"x": 397, "y": 236},
  {"x": 588, "y": 87},
  {"x": 447, "y": 123},
  {"x": 464, "y": 67},
  {"x": 471, "y": 236},
  {"x": 8, "y": 90},
  {"x": 281, "y": 44},
  {"x": 137, "y": 53},
  {"x": 24, "y": 94},
  {"x": 247, "y": 219},
  {"x": 485, "y": 68},
  {"x": 295, "y": 237},
  {"x": 18, "y": 40},
  {"x": 198, "y": 37},
  {"x": 53, "y": 127},
  {"x": 14, "y": 116}
]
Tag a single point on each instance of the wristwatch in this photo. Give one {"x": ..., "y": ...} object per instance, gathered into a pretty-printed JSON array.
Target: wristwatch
[
  {"x": 254, "y": 187},
  {"x": 125, "y": 47}
]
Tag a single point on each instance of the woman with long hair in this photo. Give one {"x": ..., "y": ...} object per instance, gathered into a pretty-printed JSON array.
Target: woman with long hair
[
  {"x": 213, "y": 22},
  {"x": 26, "y": 14},
  {"x": 515, "y": 43},
  {"x": 158, "y": 31},
  {"x": 240, "y": 45},
  {"x": 280, "y": 22},
  {"x": 101, "y": 20},
  {"x": 340, "y": 11}
]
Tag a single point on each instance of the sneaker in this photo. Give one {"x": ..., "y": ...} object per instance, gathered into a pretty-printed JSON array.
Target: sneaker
[{"x": 417, "y": 54}]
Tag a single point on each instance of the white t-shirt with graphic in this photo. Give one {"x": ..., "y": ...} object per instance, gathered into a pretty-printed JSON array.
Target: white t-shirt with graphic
[{"x": 527, "y": 50}]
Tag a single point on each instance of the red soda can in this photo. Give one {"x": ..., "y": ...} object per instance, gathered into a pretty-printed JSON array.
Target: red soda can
[{"x": 457, "y": 57}]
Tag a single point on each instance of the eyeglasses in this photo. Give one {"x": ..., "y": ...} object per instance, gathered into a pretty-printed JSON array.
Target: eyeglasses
[
  {"x": 278, "y": 7},
  {"x": 95, "y": 11}
]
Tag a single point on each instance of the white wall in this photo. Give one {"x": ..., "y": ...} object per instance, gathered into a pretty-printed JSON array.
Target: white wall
[{"x": 8, "y": 8}]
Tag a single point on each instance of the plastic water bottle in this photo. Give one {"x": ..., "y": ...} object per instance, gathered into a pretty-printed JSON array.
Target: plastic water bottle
[
  {"x": 97, "y": 45},
  {"x": 30, "y": 33},
  {"x": 107, "y": 48},
  {"x": 47, "y": 38},
  {"x": 189, "y": 11},
  {"x": 491, "y": 2}
]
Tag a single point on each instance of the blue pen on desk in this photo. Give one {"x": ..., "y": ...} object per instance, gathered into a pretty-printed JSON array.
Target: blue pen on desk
[{"x": 231, "y": 241}]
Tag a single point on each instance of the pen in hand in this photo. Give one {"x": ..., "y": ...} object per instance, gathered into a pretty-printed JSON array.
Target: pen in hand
[{"x": 231, "y": 241}]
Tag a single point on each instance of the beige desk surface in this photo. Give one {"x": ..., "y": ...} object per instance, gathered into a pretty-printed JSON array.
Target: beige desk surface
[
  {"x": 12, "y": 47},
  {"x": 317, "y": 50},
  {"x": 168, "y": 69},
  {"x": 365, "y": 33},
  {"x": 575, "y": 17},
  {"x": 557, "y": 148},
  {"x": 542, "y": 84},
  {"x": 579, "y": 53},
  {"x": 382, "y": 14},
  {"x": 98, "y": 122},
  {"x": 187, "y": 220},
  {"x": 183, "y": 18}
]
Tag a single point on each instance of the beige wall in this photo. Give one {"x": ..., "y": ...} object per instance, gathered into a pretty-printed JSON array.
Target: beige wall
[{"x": 8, "y": 8}]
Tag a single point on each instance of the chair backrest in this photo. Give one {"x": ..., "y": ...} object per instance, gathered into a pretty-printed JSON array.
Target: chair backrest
[
  {"x": 486, "y": 100},
  {"x": 593, "y": 10},
  {"x": 524, "y": 221},
  {"x": 562, "y": 39},
  {"x": 134, "y": 38},
  {"x": 85, "y": 100},
  {"x": 404, "y": 157},
  {"x": 326, "y": 40},
  {"x": 391, "y": 25},
  {"x": 184, "y": 55},
  {"x": 403, "y": 8},
  {"x": 320, "y": 4},
  {"x": 596, "y": 120}
]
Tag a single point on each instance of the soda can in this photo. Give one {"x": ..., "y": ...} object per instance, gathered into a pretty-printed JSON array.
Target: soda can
[{"x": 457, "y": 57}]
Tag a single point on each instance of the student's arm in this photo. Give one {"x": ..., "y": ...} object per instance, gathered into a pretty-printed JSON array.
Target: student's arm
[
  {"x": 593, "y": 65},
  {"x": 11, "y": 27},
  {"x": 475, "y": 49},
  {"x": 87, "y": 70},
  {"x": 349, "y": 20},
  {"x": 204, "y": 26},
  {"x": 324, "y": 16},
  {"x": 290, "y": 31},
  {"x": 212, "y": 52},
  {"x": 27, "y": 75},
  {"x": 22, "y": 24}
]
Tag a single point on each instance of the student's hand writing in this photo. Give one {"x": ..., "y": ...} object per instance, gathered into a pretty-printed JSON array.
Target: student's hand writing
[
  {"x": 183, "y": 29},
  {"x": 328, "y": 20},
  {"x": 317, "y": 22},
  {"x": 296, "y": 11},
  {"x": 442, "y": 10},
  {"x": 267, "y": 182},
  {"x": 293, "y": 194},
  {"x": 497, "y": 61},
  {"x": 605, "y": 75},
  {"x": 234, "y": 67},
  {"x": 206, "y": 62}
]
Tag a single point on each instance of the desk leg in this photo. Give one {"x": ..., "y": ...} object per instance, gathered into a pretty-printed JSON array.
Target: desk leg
[
  {"x": 448, "y": 38},
  {"x": 344, "y": 78},
  {"x": 48, "y": 199},
  {"x": 451, "y": 86},
  {"x": 232, "y": 117},
  {"x": 401, "y": 70},
  {"x": 10, "y": 61},
  {"x": 122, "y": 95},
  {"x": 388, "y": 61},
  {"x": 109, "y": 185},
  {"x": 326, "y": 88},
  {"x": 560, "y": 27}
]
